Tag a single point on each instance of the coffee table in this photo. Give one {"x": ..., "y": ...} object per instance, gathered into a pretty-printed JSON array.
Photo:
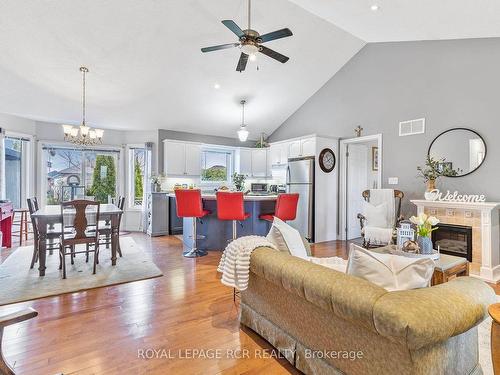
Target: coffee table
[{"x": 446, "y": 268}]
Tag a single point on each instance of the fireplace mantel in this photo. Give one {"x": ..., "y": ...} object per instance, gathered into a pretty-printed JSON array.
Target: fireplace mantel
[
  {"x": 463, "y": 205},
  {"x": 488, "y": 215}
]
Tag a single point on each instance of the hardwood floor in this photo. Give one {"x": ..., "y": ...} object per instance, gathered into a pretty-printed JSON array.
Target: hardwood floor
[{"x": 109, "y": 330}]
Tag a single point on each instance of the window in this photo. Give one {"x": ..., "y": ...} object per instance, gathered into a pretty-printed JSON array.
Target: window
[
  {"x": 137, "y": 169},
  {"x": 79, "y": 173},
  {"x": 216, "y": 166},
  {"x": 16, "y": 170}
]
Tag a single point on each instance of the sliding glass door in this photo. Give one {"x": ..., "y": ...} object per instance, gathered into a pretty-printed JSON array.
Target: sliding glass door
[{"x": 80, "y": 173}]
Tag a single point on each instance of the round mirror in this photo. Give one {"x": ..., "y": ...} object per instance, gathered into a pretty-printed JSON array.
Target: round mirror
[{"x": 459, "y": 150}]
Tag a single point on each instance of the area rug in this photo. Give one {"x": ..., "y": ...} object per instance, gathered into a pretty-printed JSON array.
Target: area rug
[
  {"x": 19, "y": 283},
  {"x": 484, "y": 333}
]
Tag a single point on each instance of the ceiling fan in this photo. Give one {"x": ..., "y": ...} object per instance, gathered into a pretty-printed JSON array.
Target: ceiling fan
[{"x": 250, "y": 42}]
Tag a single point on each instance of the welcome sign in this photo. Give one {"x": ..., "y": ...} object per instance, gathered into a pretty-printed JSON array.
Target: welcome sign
[{"x": 436, "y": 195}]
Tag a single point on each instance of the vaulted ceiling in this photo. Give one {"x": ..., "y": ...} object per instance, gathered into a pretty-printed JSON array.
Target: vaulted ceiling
[{"x": 147, "y": 71}]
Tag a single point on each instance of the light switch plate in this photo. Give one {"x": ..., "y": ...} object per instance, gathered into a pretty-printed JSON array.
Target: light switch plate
[{"x": 393, "y": 180}]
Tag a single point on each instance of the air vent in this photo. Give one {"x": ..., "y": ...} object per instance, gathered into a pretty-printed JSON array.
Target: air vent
[{"x": 412, "y": 127}]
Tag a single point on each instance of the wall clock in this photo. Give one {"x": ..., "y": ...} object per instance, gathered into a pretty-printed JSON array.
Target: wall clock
[{"x": 327, "y": 160}]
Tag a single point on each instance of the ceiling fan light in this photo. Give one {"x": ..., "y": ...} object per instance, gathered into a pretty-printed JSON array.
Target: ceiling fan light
[
  {"x": 249, "y": 49},
  {"x": 243, "y": 134}
]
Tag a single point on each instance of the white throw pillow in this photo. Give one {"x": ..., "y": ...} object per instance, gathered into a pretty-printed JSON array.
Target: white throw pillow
[
  {"x": 376, "y": 216},
  {"x": 286, "y": 238},
  {"x": 391, "y": 272}
]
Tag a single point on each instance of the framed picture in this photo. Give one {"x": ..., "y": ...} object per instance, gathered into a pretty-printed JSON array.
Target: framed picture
[{"x": 374, "y": 158}]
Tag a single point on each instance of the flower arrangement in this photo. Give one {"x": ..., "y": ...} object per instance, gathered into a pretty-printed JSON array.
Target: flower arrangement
[
  {"x": 239, "y": 181},
  {"x": 424, "y": 224},
  {"x": 434, "y": 169}
]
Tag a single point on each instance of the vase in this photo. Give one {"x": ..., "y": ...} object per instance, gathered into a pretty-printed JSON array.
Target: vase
[
  {"x": 431, "y": 185},
  {"x": 425, "y": 244}
]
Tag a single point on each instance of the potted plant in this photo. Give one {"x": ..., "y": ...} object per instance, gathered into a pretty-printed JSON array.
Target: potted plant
[
  {"x": 433, "y": 170},
  {"x": 239, "y": 181},
  {"x": 425, "y": 228},
  {"x": 156, "y": 181}
]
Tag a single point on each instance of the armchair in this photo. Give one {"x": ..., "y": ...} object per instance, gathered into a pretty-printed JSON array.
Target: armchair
[
  {"x": 7, "y": 320},
  {"x": 396, "y": 217}
]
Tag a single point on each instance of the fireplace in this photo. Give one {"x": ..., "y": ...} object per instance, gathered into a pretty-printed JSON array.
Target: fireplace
[{"x": 453, "y": 240}]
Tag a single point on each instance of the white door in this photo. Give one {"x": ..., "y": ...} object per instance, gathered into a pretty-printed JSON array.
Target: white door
[
  {"x": 259, "y": 162},
  {"x": 246, "y": 162},
  {"x": 294, "y": 149},
  {"x": 357, "y": 182},
  {"x": 308, "y": 147},
  {"x": 193, "y": 159},
  {"x": 175, "y": 158}
]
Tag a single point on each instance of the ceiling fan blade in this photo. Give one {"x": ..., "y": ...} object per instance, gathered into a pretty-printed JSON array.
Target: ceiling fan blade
[
  {"x": 283, "y": 33},
  {"x": 222, "y": 46},
  {"x": 242, "y": 63},
  {"x": 231, "y": 25},
  {"x": 273, "y": 54}
]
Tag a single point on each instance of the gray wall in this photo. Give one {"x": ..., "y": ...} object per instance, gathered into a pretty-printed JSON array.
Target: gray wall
[
  {"x": 450, "y": 83},
  {"x": 202, "y": 138}
]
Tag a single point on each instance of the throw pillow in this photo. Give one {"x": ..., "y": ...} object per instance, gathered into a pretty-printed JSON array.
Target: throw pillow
[
  {"x": 391, "y": 272},
  {"x": 287, "y": 239},
  {"x": 376, "y": 216}
]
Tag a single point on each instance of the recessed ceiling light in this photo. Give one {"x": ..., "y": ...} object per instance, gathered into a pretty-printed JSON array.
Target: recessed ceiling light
[
  {"x": 253, "y": 57},
  {"x": 374, "y": 7},
  {"x": 216, "y": 86}
]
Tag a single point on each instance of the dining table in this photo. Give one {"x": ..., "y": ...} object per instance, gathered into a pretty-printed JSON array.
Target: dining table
[{"x": 48, "y": 217}]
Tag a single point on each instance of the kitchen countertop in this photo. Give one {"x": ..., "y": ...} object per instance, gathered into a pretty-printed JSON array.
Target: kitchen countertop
[{"x": 246, "y": 197}]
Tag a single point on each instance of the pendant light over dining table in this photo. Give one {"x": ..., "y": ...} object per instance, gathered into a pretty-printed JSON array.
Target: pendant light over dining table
[
  {"x": 83, "y": 135},
  {"x": 243, "y": 132}
]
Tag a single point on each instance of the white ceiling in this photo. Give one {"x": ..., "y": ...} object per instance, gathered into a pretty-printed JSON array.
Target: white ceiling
[
  {"x": 403, "y": 20},
  {"x": 146, "y": 68}
]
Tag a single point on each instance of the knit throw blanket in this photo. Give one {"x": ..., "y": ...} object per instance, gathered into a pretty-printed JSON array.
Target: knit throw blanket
[{"x": 235, "y": 261}]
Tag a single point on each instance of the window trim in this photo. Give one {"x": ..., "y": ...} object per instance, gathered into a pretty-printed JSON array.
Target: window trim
[
  {"x": 42, "y": 164},
  {"x": 27, "y": 165},
  {"x": 230, "y": 168},
  {"x": 130, "y": 177}
]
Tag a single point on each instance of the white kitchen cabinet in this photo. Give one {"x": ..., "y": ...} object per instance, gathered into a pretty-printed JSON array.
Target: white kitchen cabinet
[
  {"x": 182, "y": 158},
  {"x": 302, "y": 147},
  {"x": 193, "y": 159},
  {"x": 259, "y": 162},
  {"x": 278, "y": 154},
  {"x": 245, "y": 162},
  {"x": 294, "y": 149},
  {"x": 308, "y": 146}
]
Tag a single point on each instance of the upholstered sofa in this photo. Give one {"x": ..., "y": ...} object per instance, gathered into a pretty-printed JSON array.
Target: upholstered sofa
[{"x": 326, "y": 322}]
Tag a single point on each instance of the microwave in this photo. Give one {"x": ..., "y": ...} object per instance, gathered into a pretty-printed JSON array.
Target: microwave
[{"x": 258, "y": 188}]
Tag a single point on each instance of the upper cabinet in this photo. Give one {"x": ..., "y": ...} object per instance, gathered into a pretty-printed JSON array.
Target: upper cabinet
[
  {"x": 278, "y": 154},
  {"x": 259, "y": 162},
  {"x": 182, "y": 158},
  {"x": 245, "y": 161},
  {"x": 302, "y": 147}
]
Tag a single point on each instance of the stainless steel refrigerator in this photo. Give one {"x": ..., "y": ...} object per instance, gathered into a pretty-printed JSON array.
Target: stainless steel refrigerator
[{"x": 300, "y": 179}]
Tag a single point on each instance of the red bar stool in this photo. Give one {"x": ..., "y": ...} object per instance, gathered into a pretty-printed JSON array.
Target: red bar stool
[
  {"x": 230, "y": 206},
  {"x": 189, "y": 204},
  {"x": 286, "y": 208}
]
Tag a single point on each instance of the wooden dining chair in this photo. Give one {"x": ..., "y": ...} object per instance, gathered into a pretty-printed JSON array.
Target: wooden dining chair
[
  {"x": 5, "y": 321},
  {"x": 53, "y": 235},
  {"x": 85, "y": 231},
  {"x": 105, "y": 228}
]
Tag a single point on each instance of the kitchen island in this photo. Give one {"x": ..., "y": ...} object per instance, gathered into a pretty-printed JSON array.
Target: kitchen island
[{"x": 218, "y": 232}]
